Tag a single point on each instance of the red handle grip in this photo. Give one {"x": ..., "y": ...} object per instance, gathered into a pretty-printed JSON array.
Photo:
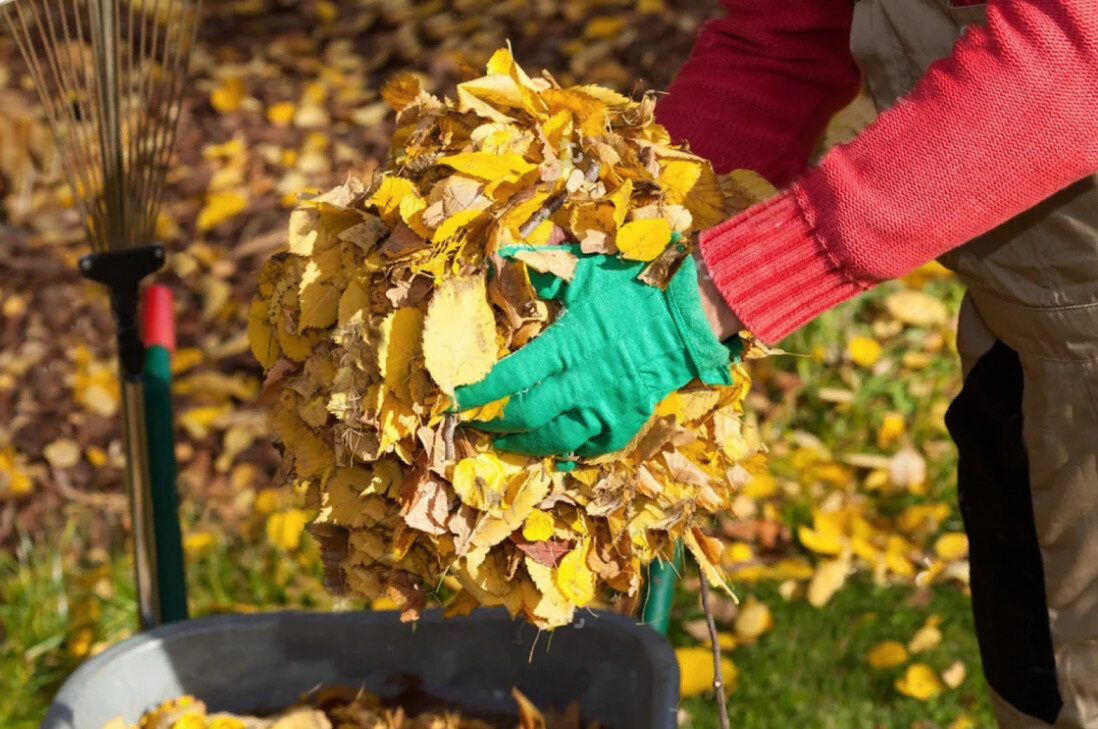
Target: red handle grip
[{"x": 158, "y": 317}]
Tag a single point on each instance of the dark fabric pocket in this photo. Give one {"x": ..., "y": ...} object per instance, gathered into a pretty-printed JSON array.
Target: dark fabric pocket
[{"x": 1007, "y": 575}]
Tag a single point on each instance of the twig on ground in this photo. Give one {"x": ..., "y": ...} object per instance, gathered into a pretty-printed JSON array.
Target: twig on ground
[{"x": 718, "y": 677}]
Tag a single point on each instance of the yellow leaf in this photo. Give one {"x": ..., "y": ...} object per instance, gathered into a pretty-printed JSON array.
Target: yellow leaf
[
  {"x": 951, "y": 546},
  {"x": 752, "y": 620},
  {"x": 261, "y": 335},
  {"x": 887, "y": 654},
  {"x": 62, "y": 453},
  {"x": 488, "y": 411},
  {"x": 963, "y": 721},
  {"x": 820, "y": 543},
  {"x": 707, "y": 552},
  {"x": 678, "y": 178},
  {"x": 891, "y": 429},
  {"x": 487, "y": 166},
  {"x": 401, "y": 343},
  {"x": 696, "y": 671},
  {"x": 749, "y": 186},
  {"x": 924, "y": 639},
  {"x": 199, "y": 544},
  {"x": 456, "y": 223},
  {"x": 303, "y": 231},
  {"x": 284, "y": 529},
  {"x": 14, "y": 480},
  {"x": 282, "y": 113},
  {"x": 228, "y": 96},
  {"x": 353, "y": 300},
  {"x": 954, "y": 676},
  {"x": 220, "y": 206},
  {"x": 919, "y": 682},
  {"x": 389, "y": 195},
  {"x": 319, "y": 291},
  {"x": 459, "y": 333},
  {"x": 604, "y": 26},
  {"x": 737, "y": 552},
  {"x": 830, "y": 575},
  {"x": 916, "y": 308},
  {"x": 574, "y": 579},
  {"x": 538, "y": 526},
  {"x": 643, "y": 240},
  {"x": 401, "y": 89},
  {"x": 864, "y": 351},
  {"x": 480, "y": 482},
  {"x": 198, "y": 421},
  {"x": 761, "y": 486}
]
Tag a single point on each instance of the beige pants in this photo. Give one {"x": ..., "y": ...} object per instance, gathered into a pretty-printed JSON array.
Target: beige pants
[{"x": 1026, "y": 422}]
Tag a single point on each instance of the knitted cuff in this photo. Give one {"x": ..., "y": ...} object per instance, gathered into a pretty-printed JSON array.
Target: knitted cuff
[{"x": 773, "y": 269}]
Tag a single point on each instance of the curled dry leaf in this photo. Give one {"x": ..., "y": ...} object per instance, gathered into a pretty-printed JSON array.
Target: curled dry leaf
[{"x": 394, "y": 292}]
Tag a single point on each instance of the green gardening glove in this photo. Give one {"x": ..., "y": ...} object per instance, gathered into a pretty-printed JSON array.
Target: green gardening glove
[{"x": 591, "y": 380}]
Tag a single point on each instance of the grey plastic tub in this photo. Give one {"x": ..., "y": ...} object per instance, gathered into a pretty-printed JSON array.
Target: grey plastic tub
[{"x": 623, "y": 674}]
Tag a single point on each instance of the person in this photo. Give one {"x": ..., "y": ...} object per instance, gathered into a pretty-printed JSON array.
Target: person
[{"x": 984, "y": 155}]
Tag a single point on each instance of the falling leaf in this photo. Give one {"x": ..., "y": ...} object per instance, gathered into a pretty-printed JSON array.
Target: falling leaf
[
  {"x": 459, "y": 333},
  {"x": 919, "y": 682},
  {"x": 887, "y": 654}
]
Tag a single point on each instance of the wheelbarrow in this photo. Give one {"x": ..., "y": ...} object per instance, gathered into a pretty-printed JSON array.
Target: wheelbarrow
[{"x": 622, "y": 672}]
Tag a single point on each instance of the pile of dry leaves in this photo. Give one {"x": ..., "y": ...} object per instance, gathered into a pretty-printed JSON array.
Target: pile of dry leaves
[
  {"x": 392, "y": 294},
  {"x": 346, "y": 708}
]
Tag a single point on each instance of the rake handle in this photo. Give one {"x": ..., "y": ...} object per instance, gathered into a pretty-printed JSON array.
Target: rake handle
[{"x": 121, "y": 271}]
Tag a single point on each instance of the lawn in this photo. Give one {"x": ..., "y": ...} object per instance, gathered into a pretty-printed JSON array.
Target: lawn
[{"x": 61, "y": 603}]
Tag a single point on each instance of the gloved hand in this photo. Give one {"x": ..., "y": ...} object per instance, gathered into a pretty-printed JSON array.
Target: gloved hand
[{"x": 590, "y": 381}]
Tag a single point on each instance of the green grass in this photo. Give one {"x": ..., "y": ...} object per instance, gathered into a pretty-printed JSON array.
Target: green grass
[
  {"x": 807, "y": 672},
  {"x": 810, "y": 672}
]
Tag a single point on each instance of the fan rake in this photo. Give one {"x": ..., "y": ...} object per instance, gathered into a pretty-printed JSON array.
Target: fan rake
[{"x": 111, "y": 77}]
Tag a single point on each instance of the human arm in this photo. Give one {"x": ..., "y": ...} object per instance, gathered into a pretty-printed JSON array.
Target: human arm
[
  {"x": 761, "y": 84},
  {"x": 1008, "y": 119}
]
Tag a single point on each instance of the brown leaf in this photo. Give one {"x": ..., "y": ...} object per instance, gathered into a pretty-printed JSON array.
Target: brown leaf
[{"x": 549, "y": 552}]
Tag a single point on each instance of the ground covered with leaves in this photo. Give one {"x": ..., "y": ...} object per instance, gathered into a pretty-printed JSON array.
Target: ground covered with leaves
[{"x": 848, "y": 558}]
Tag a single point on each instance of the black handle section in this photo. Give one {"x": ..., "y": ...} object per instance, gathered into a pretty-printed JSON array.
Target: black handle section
[{"x": 121, "y": 272}]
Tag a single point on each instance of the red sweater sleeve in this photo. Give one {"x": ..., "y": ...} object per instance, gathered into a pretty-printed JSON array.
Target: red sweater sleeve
[
  {"x": 1008, "y": 119},
  {"x": 762, "y": 83}
]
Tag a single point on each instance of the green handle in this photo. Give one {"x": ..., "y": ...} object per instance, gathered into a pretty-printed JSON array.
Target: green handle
[
  {"x": 165, "y": 504},
  {"x": 660, "y": 592}
]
